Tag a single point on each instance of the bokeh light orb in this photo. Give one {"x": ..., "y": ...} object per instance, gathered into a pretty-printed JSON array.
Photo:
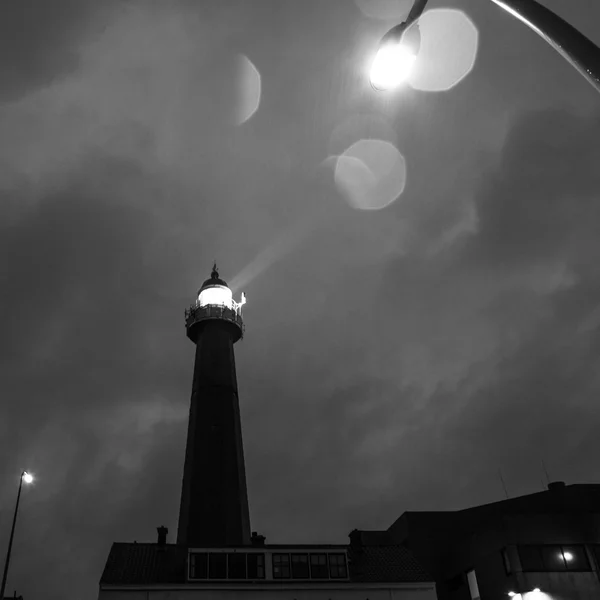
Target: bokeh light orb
[
  {"x": 370, "y": 174},
  {"x": 396, "y": 10},
  {"x": 248, "y": 89},
  {"x": 449, "y": 43}
]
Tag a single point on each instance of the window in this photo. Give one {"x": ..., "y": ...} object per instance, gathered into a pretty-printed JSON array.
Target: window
[
  {"x": 300, "y": 566},
  {"x": 236, "y": 567},
  {"x": 318, "y": 566},
  {"x": 531, "y": 558},
  {"x": 554, "y": 558},
  {"x": 473, "y": 587},
  {"x": 217, "y": 565},
  {"x": 576, "y": 558},
  {"x": 199, "y": 565},
  {"x": 256, "y": 566},
  {"x": 281, "y": 566},
  {"x": 506, "y": 561},
  {"x": 337, "y": 566}
]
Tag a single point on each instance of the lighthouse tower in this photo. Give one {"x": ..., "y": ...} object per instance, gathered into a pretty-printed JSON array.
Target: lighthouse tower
[{"x": 214, "y": 498}]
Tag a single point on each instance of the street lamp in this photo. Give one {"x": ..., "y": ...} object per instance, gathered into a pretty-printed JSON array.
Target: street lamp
[
  {"x": 570, "y": 43},
  {"x": 27, "y": 478}
]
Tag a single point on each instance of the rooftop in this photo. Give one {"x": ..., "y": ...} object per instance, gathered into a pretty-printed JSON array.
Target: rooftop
[{"x": 154, "y": 564}]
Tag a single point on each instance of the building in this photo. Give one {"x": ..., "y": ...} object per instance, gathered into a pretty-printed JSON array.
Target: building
[
  {"x": 216, "y": 555},
  {"x": 548, "y": 542}
]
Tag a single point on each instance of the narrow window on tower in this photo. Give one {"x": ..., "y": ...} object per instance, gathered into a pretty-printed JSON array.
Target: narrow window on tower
[
  {"x": 300, "y": 566},
  {"x": 281, "y": 566},
  {"x": 256, "y": 566}
]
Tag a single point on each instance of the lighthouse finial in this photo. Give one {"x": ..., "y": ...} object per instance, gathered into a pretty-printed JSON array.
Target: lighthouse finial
[{"x": 215, "y": 273}]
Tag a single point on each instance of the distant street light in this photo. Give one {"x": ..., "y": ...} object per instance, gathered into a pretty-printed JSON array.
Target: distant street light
[
  {"x": 392, "y": 66},
  {"x": 27, "y": 478}
]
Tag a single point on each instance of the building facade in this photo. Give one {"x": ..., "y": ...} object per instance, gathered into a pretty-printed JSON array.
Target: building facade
[
  {"x": 215, "y": 554},
  {"x": 543, "y": 546}
]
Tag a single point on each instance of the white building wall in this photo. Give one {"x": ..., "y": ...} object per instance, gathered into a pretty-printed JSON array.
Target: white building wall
[{"x": 425, "y": 592}]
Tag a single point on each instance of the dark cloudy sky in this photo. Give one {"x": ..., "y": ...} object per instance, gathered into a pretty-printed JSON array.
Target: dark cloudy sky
[{"x": 394, "y": 360}]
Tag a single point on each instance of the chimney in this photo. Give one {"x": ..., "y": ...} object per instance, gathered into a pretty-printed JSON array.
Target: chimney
[
  {"x": 355, "y": 538},
  {"x": 162, "y": 535},
  {"x": 556, "y": 485},
  {"x": 257, "y": 540}
]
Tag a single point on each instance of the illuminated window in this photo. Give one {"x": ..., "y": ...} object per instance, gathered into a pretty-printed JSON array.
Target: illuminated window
[
  {"x": 473, "y": 586},
  {"x": 576, "y": 558},
  {"x": 217, "y": 565},
  {"x": 554, "y": 558},
  {"x": 300, "y": 566},
  {"x": 256, "y": 566},
  {"x": 281, "y": 566},
  {"x": 199, "y": 565},
  {"x": 236, "y": 565},
  {"x": 337, "y": 566},
  {"x": 318, "y": 566}
]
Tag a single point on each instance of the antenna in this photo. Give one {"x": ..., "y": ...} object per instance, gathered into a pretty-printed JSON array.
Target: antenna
[
  {"x": 545, "y": 471},
  {"x": 503, "y": 484}
]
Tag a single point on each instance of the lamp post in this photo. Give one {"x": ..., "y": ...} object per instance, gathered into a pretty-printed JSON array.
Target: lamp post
[
  {"x": 27, "y": 478},
  {"x": 570, "y": 43}
]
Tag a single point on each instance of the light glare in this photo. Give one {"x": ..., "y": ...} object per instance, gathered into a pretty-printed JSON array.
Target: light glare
[
  {"x": 220, "y": 296},
  {"x": 27, "y": 477},
  {"x": 392, "y": 66},
  {"x": 568, "y": 556}
]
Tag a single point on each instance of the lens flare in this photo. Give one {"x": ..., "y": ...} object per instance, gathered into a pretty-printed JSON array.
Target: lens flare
[
  {"x": 370, "y": 174},
  {"x": 448, "y": 50},
  {"x": 249, "y": 90}
]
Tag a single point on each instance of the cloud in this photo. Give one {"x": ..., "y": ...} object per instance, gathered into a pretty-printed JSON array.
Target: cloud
[{"x": 385, "y": 352}]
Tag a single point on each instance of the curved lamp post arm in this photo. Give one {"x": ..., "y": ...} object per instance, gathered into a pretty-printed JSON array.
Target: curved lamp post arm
[
  {"x": 570, "y": 43},
  {"x": 416, "y": 11}
]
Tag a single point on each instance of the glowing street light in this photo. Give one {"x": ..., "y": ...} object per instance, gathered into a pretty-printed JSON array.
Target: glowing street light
[
  {"x": 27, "y": 478},
  {"x": 396, "y": 57},
  {"x": 392, "y": 66}
]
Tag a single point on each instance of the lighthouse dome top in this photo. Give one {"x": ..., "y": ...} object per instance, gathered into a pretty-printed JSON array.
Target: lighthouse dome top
[
  {"x": 214, "y": 280},
  {"x": 215, "y": 291}
]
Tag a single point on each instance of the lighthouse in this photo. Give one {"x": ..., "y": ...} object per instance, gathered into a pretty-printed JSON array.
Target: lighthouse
[
  {"x": 215, "y": 554},
  {"x": 214, "y": 498}
]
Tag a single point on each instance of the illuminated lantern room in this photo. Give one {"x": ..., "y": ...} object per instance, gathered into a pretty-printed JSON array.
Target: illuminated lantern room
[{"x": 215, "y": 302}]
